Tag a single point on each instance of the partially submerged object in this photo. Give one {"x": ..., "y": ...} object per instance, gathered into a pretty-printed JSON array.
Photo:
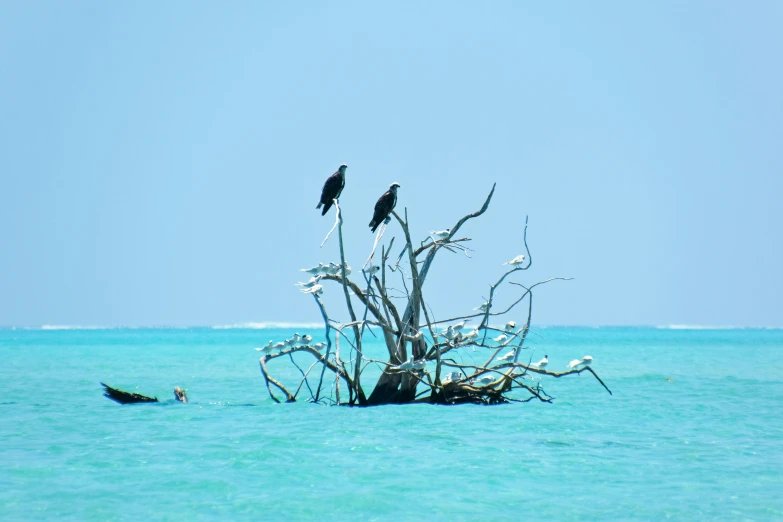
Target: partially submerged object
[
  {"x": 414, "y": 338},
  {"x": 180, "y": 394},
  {"x": 124, "y": 397}
]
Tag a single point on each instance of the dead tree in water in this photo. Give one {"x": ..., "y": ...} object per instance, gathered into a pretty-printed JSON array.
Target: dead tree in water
[
  {"x": 416, "y": 341},
  {"x": 124, "y": 397}
]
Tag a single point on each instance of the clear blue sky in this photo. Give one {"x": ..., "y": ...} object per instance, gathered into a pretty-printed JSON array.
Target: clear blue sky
[{"x": 160, "y": 161}]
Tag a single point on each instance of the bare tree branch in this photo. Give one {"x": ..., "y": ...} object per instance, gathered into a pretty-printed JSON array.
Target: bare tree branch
[
  {"x": 268, "y": 379},
  {"x": 494, "y": 382}
]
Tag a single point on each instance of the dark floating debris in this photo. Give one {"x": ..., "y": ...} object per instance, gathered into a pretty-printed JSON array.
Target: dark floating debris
[{"x": 124, "y": 397}]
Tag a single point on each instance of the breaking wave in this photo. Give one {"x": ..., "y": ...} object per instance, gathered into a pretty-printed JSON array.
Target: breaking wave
[
  {"x": 713, "y": 327},
  {"x": 68, "y": 327}
]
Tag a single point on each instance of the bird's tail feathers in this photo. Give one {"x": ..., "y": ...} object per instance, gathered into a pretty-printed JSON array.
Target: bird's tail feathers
[{"x": 319, "y": 205}]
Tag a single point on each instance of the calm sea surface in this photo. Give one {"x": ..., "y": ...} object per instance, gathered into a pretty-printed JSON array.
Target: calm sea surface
[{"x": 694, "y": 431}]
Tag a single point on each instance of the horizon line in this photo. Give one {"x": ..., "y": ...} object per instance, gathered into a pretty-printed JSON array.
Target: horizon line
[{"x": 274, "y": 325}]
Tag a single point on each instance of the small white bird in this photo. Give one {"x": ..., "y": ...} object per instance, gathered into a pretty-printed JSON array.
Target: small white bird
[
  {"x": 347, "y": 269},
  {"x": 407, "y": 365},
  {"x": 419, "y": 365},
  {"x": 471, "y": 335},
  {"x": 314, "y": 270},
  {"x": 417, "y": 336},
  {"x": 451, "y": 377},
  {"x": 441, "y": 234},
  {"x": 315, "y": 290},
  {"x": 459, "y": 326},
  {"x": 306, "y": 339},
  {"x": 319, "y": 346},
  {"x": 268, "y": 348},
  {"x": 483, "y": 380},
  {"x": 483, "y": 308},
  {"x": 296, "y": 339},
  {"x": 372, "y": 269},
  {"x": 510, "y": 326},
  {"x": 280, "y": 346},
  {"x": 333, "y": 269},
  {"x": 586, "y": 360},
  {"x": 500, "y": 338},
  {"x": 449, "y": 333},
  {"x": 310, "y": 282},
  {"x": 510, "y": 355},
  {"x": 542, "y": 363},
  {"x": 517, "y": 261}
]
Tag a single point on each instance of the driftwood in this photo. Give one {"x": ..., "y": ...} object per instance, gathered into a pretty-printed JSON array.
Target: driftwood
[
  {"x": 124, "y": 397},
  {"x": 425, "y": 355}
]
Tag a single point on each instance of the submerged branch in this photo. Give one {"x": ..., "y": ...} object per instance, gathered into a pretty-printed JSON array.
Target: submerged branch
[{"x": 269, "y": 379}]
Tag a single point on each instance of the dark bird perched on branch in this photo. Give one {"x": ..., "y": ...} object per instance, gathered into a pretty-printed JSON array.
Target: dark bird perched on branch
[
  {"x": 332, "y": 189},
  {"x": 384, "y": 206}
]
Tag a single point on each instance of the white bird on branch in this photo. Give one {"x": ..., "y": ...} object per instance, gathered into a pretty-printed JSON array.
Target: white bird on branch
[
  {"x": 500, "y": 338},
  {"x": 420, "y": 365},
  {"x": 510, "y": 355},
  {"x": 319, "y": 346},
  {"x": 280, "y": 346},
  {"x": 471, "y": 335},
  {"x": 441, "y": 234},
  {"x": 510, "y": 326},
  {"x": 451, "y": 377},
  {"x": 333, "y": 269},
  {"x": 268, "y": 348},
  {"x": 586, "y": 360},
  {"x": 315, "y": 290},
  {"x": 310, "y": 283},
  {"x": 517, "y": 261},
  {"x": 484, "y": 307},
  {"x": 449, "y": 333},
  {"x": 347, "y": 269},
  {"x": 407, "y": 365},
  {"x": 306, "y": 339},
  {"x": 372, "y": 270},
  {"x": 296, "y": 339},
  {"x": 314, "y": 270},
  {"x": 483, "y": 380},
  {"x": 542, "y": 363},
  {"x": 459, "y": 326}
]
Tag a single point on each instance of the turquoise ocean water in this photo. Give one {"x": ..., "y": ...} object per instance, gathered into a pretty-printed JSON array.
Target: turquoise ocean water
[{"x": 694, "y": 431}]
